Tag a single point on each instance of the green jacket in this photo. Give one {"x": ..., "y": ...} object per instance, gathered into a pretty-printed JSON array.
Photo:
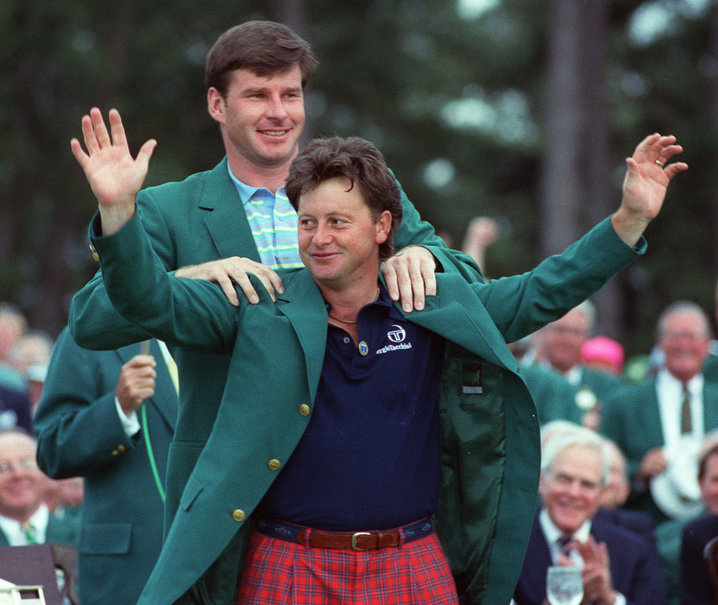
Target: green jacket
[
  {"x": 190, "y": 222},
  {"x": 80, "y": 434},
  {"x": 490, "y": 440}
]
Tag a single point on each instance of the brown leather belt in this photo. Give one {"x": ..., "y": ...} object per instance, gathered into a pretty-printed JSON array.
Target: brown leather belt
[{"x": 360, "y": 540}]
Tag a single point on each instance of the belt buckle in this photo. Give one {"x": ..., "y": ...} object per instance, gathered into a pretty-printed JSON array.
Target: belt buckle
[{"x": 358, "y": 535}]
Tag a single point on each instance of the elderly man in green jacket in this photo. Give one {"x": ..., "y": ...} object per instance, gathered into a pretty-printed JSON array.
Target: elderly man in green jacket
[{"x": 448, "y": 435}]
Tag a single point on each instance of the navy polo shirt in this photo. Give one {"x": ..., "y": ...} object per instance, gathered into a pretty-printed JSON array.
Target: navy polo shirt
[{"x": 371, "y": 455}]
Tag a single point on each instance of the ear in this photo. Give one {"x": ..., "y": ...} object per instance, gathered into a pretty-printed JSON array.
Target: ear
[
  {"x": 216, "y": 105},
  {"x": 383, "y": 227}
]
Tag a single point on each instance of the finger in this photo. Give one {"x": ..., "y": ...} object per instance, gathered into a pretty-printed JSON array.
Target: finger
[
  {"x": 240, "y": 274},
  {"x": 145, "y": 153},
  {"x": 116, "y": 128},
  {"x": 428, "y": 273},
  {"x": 79, "y": 153},
  {"x": 99, "y": 128},
  {"x": 276, "y": 282},
  {"x": 675, "y": 168},
  {"x": 142, "y": 360},
  {"x": 228, "y": 289},
  {"x": 247, "y": 289},
  {"x": 406, "y": 293},
  {"x": 88, "y": 134},
  {"x": 417, "y": 284},
  {"x": 390, "y": 280}
]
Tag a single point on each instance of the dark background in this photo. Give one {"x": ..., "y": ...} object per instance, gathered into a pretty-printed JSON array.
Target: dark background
[{"x": 523, "y": 112}]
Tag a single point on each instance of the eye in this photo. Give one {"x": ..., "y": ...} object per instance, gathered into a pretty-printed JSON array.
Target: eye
[{"x": 306, "y": 223}]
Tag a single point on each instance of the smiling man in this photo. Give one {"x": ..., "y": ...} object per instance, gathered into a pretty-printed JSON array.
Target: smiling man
[
  {"x": 24, "y": 518},
  {"x": 664, "y": 418},
  {"x": 618, "y": 566},
  {"x": 351, "y": 445}
]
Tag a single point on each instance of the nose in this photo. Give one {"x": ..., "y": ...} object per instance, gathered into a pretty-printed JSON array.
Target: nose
[
  {"x": 322, "y": 235},
  {"x": 275, "y": 108}
]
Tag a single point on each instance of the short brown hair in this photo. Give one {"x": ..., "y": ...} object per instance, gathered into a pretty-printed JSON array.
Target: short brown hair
[
  {"x": 359, "y": 161},
  {"x": 263, "y": 47}
]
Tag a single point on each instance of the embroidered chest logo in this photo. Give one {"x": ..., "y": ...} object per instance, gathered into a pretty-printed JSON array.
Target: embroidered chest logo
[{"x": 396, "y": 336}]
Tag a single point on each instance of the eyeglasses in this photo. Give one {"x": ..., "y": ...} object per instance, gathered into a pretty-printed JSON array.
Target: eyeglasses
[{"x": 6, "y": 466}]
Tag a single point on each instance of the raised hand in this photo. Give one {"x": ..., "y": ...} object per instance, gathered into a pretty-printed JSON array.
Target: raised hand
[
  {"x": 644, "y": 186},
  {"x": 114, "y": 175}
]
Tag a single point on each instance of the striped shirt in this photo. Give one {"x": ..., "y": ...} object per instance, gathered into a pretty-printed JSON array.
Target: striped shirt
[{"x": 273, "y": 222}]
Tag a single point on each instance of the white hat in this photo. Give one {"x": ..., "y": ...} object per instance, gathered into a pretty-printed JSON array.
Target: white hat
[{"x": 676, "y": 491}]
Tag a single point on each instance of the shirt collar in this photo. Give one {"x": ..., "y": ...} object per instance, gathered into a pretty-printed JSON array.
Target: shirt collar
[
  {"x": 553, "y": 533},
  {"x": 247, "y": 192}
]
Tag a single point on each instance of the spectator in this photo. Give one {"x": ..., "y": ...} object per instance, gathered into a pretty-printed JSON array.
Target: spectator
[
  {"x": 618, "y": 566},
  {"x": 662, "y": 420},
  {"x": 24, "y": 517},
  {"x": 107, "y": 417},
  {"x": 669, "y": 534},
  {"x": 603, "y": 354},
  {"x": 561, "y": 343}
]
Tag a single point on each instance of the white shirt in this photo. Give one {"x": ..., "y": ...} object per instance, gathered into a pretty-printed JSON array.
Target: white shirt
[
  {"x": 553, "y": 534},
  {"x": 669, "y": 392},
  {"x": 16, "y": 535}
]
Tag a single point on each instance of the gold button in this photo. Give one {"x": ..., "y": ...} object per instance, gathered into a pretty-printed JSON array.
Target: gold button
[
  {"x": 115, "y": 453},
  {"x": 238, "y": 514},
  {"x": 274, "y": 464},
  {"x": 120, "y": 448},
  {"x": 305, "y": 410}
]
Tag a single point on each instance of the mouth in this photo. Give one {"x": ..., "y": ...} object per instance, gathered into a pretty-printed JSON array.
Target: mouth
[{"x": 274, "y": 133}]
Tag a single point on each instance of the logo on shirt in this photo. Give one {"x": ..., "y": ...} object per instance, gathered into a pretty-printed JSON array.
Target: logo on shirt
[{"x": 396, "y": 335}]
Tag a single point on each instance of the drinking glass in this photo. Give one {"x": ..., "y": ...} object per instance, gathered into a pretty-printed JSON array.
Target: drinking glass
[{"x": 564, "y": 585}]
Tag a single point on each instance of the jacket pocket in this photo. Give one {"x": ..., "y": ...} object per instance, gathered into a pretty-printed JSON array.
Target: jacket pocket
[
  {"x": 190, "y": 493},
  {"x": 105, "y": 538}
]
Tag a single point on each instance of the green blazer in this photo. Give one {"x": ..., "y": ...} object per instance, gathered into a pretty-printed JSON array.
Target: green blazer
[
  {"x": 632, "y": 419},
  {"x": 190, "y": 222},
  {"x": 489, "y": 440},
  {"x": 80, "y": 434}
]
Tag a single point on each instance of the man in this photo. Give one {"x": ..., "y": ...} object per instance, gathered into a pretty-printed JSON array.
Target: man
[
  {"x": 561, "y": 348},
  {"x": 618, "y": 566},
  {"x": 238, "y": 212},
  {"x": 669, "y": 534},
  {"x": 24, "y": 518},
  {"x": 345, "y": 227},
  {"x": 14, "y": 395},
  {"x": 109, "y": 416},
  {"x": 662, "y": 419}
]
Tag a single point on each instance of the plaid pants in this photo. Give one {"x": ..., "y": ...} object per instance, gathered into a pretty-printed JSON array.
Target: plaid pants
[{"x": 279, "y": 572}]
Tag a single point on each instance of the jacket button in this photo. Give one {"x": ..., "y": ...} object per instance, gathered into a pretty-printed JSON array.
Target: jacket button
[
  {"x": 305, "y": 410},
  {"x": 274, "y": 464},
  {"x": 115, "y": 453},
  {"x": 121, "y": 448},
  {"x": 238, "y": 515}
]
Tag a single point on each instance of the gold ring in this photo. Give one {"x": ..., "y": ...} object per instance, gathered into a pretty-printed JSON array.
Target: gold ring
[{"x": 661, "y": 164}]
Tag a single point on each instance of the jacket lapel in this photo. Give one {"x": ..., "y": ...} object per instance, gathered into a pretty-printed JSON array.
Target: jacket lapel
[
  {"x": 303, "y": 305},
  {"x": 226, "y": 220}
]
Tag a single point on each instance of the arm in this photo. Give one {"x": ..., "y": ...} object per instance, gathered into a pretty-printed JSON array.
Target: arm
[
  {"x": 174, "y": 310},
  {"x": 76, "y": 423},
  {"x": 520, "y": 305}
]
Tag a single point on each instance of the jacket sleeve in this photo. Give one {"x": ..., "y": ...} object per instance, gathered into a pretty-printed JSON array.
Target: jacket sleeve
[
  {"x": 97, "y": 324},
  {"x": 521, "y": 304},
  {"x": 77, "y": 426},
  {"x": 185, "y": 312}
]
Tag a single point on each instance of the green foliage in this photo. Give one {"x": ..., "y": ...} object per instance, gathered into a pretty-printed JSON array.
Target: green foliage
[{"x": 439, "y": 94}]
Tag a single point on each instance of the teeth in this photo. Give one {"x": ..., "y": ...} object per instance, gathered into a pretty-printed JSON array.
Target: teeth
[{"x": 274, "y": 132}]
